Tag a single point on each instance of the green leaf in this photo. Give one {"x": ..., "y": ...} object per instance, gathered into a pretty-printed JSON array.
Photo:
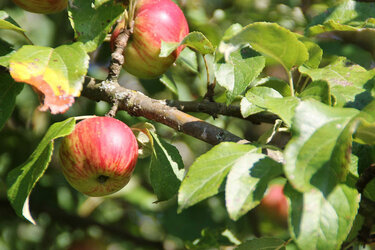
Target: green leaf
[
  {"x": 57, "y": 74},
  {"x": 91, "y": 24},
  {"x": 247, "y": 181},
  {"x": 254, "y": 101},
  {"x": 348, "y": 16},
  {"x": 322, "y": 220},
  {"x": 274, "y": 41},
  {"x": 6, "y": 52},
  {"x": 166, "y": 169},
  {"x": 6, "y": 22},
  {"x": 21, "y": 180},
  {"x": 189, "y": 59},
  {"x": 263, "y": 244},
  {"x": 345, "y": 79},
  {"x": 266, "y": 99},
  {"x": 319, "y": 151},
  {"x": 236, "y": 72},
  {"x": 318, "y": 90},
  {"x": 8, "y": 94},
  {"x": 315, "y": 52},
  {"x": 207, "y": 173},
  {"x": 365, "y": 132},
  {"x": 194, "y": 40},
  {"x": 167, "y": 80},
  {"x": 274, "y": 83}
]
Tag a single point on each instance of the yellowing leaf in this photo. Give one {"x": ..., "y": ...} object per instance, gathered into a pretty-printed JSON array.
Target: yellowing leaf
[{"x": 55, "y": 74}]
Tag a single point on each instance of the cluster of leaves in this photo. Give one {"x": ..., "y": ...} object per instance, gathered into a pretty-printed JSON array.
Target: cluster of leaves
[{"x": 325, "y": 103}]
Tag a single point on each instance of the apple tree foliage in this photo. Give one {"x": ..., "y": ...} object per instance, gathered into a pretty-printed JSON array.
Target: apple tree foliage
[{"x": 304, "y": 70}]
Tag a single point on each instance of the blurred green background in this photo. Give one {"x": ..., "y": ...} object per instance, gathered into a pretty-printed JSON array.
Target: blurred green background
[{"x": 130, "y": 219}]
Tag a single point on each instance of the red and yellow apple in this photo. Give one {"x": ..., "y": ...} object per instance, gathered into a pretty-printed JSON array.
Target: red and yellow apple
[
  {"x": 275, "y": 205},
  {"x": 155, "y": 21},
  {"x": 42, "y": 6},
  {"x": 99, "y": 156}
]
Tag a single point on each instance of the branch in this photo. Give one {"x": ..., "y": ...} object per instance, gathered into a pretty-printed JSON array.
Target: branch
[
  {"x": 138, "y": 104},
  {"x": 213, "y": 109}
]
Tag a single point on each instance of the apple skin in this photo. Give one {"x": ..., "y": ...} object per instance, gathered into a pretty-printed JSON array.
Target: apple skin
[
  {"x": 99, "y": 156},
  {"x": 155, "y": 21},
  {"x": 275, "y": 205},
  {"x": 42, "y": 6}
]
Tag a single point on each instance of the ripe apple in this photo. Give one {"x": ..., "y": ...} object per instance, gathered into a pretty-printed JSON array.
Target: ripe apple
[
  {"x": 42, "y": 6},
  {"x": 155, "y": 21},
  {"x": 99, "y": 156},
  {"x": 275, "y": 205}
]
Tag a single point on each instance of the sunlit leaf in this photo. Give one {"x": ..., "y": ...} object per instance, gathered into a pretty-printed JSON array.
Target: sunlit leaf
[
  {"x": 207, "y": 173},
  {"x": 91, "y": 24},
  {"x": 21, "y": 180},
  {"x": 274, "y": 41},
  {"x": 56, "y": 74},
  {"x": 166, "y": 169},
  {"x": 319, "y": 151},
  {"x": 322, "y": 220}
]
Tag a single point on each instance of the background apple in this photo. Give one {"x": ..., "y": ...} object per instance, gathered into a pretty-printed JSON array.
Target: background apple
[
  {"x": 42, "y": 6},
  {"x": 155, "y": 21},
  {"x": 99, "y": 156},
  {"x": 275, "y": 205}
]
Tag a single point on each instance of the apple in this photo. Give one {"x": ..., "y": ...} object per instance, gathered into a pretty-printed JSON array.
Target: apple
[
  {"x": 99, "y": 156},
  {"x": 42, "y": 6},
  {"x": 275, "y": 205},
  {"x": 155, "y": 21}
]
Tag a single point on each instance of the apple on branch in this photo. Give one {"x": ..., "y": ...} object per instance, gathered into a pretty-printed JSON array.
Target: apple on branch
[
  {"x": 155, "y": 21},
  {"x": 99, "y": 156},
  {"x": 42, "y": 6}
]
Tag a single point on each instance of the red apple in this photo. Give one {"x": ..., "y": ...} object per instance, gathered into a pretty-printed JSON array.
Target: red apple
[
  {"x": 275, "y": 205},
  {"x": 42, "y": 6},
  {"x": 155, "y": 21},
  {"x": 99, "y": 156}
]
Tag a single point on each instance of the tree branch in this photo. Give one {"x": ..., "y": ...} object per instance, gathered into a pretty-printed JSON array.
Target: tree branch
[
  {"x": 138, "y": 104},
  {"x": 213, "y": 108}
]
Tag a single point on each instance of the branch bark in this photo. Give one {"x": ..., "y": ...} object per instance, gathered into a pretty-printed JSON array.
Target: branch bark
[{"x": 138, "y": 104}]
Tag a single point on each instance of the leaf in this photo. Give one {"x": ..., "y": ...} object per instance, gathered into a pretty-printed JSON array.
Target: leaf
[
  {"x": 189, "y": 59},
  {"x": 318, "y": 90},
  {"x": 274, "y": 83},
  {"x": 21, "y": 180},
  {"x": 207, "y": 173},
  {"x": 254, "y": 97},
  {"x": 6, "y": 22},
  {"x": 266, "y": 99},
  {"x": 166, "y": 169},
  {"x": 365, "y": 131},
  {"x": 274, "y": 41},
  {"x": 194, "y": 40},
  {"x": 6, "y": 52},
  {"x": 267, "y": 136},
  {"x": 345, "y": 79},
  {"x": 315, "y": 52},
  {"x": 247, "y": 181},
  {"x": 91, "y": 25},
  {"x": 167, "y": 80},
  {"x": 57, "y": 74},
  {"x": 319, "y": 151},
  {"x": 262, "y": 244},
  {"x": 320, "y": 220},
  {"x": 8, "y": 94},
  {"x": 348, "y": 16},
  {"x": 237, "y": 72}
]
